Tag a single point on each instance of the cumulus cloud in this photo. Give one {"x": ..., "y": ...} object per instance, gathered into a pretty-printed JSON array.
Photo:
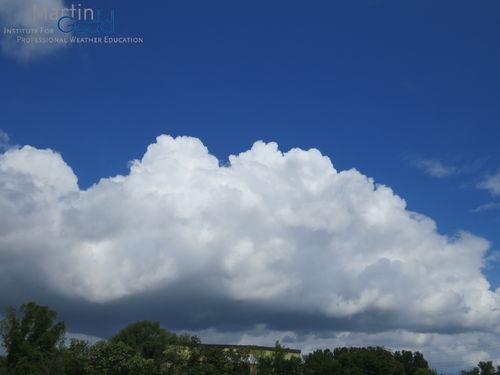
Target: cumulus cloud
[
  {"x": 491, "y": 183},
  {"x": 278, "y": 238},
  {"x": 435, "y": 168},
  {"x": 29, "y": 15}
]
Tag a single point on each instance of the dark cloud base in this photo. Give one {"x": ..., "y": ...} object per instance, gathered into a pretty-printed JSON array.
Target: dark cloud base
[{"x": 190, "y": 308}]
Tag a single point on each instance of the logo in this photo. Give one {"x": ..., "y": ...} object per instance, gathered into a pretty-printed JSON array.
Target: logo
[
  {"x": 74, "y": 24},
  {"x": 94, "y": 25},
  {"x": 77, "y": 19}
]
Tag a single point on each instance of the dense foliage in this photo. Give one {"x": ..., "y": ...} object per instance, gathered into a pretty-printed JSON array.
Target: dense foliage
[
  {"x": 33, "y": 340},
  {"x": 483, "y": 368},
  {"x": 34, "y": 343}
]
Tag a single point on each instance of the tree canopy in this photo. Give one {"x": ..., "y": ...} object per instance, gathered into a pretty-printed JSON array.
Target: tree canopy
[
  {"x": 34, "y": 342},
  {"x": 32, "y": 338},
  {"x": 146, "y": 338}
]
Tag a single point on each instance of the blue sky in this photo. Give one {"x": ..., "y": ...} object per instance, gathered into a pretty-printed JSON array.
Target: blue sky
[
  {"x": 387, "y": 87},
  {"x": 372, "y": 84}
]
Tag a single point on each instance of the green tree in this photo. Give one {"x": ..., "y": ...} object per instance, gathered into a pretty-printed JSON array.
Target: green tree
[
  {"x": 146, "y": 338},
  {"x": 32, "y": 339},
  {"x": 117, "y": 358},
  {"x": 483, "y": 368},
  {"x": 320, "y": 362},
  {"x": 3, "y": 366},
  {"x": 411, "y": 362},
  {"x": 182, "y": 357},
  {"x": 425, "y": 371},
  {"x": 474, "y": 371},
  {"x": 487, "y": 368},
  {"x": 238, "y": 362},
  {"x": 76, "y": 358},
  {"x": 217, "y": 360},
  {"x": 278, "y": 364},
  {"x": 371, "y": 360}
]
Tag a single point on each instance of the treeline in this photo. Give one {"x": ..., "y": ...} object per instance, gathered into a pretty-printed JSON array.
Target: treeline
[
  {"x": 483, "y": 368},
  {"x": 34, "y": 344}
]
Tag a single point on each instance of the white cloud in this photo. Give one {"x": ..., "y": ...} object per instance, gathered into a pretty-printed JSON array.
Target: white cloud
[
  {"x": 491, "y": 183},
  {"x": 29, "y": 14},
  {"x": 280, "y": 231},
  {"x": 435, "y": 168}
]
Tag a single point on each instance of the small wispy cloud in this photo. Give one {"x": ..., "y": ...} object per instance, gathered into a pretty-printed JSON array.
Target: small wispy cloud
[
  {"x": 4, "y": 141},
  {"x": 491, "y": 183},
  {"x": 493, "y": 257},
  {"x": 435, "y": 168},
  {"x": 487, "y": 207}
]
